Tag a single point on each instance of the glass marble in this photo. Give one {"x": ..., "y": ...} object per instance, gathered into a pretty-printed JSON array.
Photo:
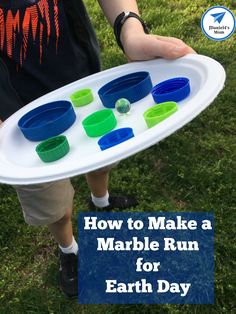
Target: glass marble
[{"x": 123, "y": 105}]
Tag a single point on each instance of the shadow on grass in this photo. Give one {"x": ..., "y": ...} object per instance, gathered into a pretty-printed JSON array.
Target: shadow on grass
[{"x": 38, "y": 298}]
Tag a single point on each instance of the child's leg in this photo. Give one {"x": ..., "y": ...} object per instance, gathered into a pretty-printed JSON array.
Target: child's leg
[
  {"x": 98, "y": 181},
  {"x": 51, "y": 204},
  {"x": 100, "y": 198},
  {"x": 62, "y": 229}
]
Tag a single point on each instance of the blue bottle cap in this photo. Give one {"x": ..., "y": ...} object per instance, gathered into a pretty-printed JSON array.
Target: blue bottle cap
[
  {"x": 133, "y": 87},
  {"x": 115, "y": 137},
  {"x": 47, "y": 120},
  {"x": 175, "y": 89}
]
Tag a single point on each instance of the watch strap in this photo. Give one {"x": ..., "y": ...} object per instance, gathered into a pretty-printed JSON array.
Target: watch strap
[{"x": 119, "y": 22}]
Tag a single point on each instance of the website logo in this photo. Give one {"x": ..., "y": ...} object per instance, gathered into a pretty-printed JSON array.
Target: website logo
[{"x": 218, "y": 23}]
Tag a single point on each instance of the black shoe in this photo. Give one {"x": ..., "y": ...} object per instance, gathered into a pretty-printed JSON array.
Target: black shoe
[
  {"x": 69, "y": 274},
  {"x": 116, "y": 202}
]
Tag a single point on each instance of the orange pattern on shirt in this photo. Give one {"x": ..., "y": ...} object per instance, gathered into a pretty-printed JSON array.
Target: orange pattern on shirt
[{"x": 33, "y": 17}]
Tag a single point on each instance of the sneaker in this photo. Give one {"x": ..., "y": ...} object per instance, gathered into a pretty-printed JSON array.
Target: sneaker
[
  {"x": 116, "y": 202},
  {"x": 69, "y": 274}
]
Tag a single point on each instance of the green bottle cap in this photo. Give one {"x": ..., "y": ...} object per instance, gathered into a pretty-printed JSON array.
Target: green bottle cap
[
  {"x": 53, "y": 148},
  {"x": 99, "y": 123},
  {"x": 160, "y": 112},
  {"x": 82, "y": 97}
]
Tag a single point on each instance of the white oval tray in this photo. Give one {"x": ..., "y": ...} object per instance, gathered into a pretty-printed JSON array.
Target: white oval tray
[{"x": 19, "y": 164}]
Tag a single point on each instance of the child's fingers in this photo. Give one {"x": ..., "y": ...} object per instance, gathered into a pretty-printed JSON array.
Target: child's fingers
[
  {"x": 173, "y": 40},
  {"x": 166, "y": 49}
]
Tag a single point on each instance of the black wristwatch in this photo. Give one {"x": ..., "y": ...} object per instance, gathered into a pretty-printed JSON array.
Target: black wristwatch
[{"x": 119, "y": 22}]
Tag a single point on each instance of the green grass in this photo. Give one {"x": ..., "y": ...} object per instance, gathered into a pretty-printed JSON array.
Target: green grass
[{"x": 192, "y": 170}]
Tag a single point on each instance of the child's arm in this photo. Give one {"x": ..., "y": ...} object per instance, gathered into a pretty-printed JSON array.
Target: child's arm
[{"x": 137, "y": 44}]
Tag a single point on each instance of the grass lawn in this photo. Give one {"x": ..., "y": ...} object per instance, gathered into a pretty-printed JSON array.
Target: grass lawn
[{"x": 192, "y": 170}]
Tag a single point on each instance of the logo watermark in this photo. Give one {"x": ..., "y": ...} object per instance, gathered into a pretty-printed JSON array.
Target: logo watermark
[{"x": 218, "y": 23}]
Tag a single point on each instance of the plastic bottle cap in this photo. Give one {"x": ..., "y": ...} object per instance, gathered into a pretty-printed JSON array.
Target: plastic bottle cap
[
  {"x": 175, "y": 89},
  {"x": 160, "y": 112},
  {"x": 133, "y": 87},
  {"x": 115, "y": 137},
  {"x": 99, "y": 123},
  {"x": 82, "y": 97},
  {"x": 53, "y": 148},
  {"x": 48, "y": 120}
]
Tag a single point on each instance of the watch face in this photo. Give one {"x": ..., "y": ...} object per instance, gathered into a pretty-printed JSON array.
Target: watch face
[{"x": 16, "y": 4}]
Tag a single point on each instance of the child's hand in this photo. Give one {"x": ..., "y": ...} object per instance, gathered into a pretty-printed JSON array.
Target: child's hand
[{"x": 141, "y": 46}]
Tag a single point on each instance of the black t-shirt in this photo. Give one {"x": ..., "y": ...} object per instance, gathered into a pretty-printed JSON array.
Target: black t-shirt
[{"x": 38, "y": 44}]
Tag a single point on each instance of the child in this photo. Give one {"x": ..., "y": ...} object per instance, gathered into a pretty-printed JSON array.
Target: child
[{"x": 45, "y": 44}]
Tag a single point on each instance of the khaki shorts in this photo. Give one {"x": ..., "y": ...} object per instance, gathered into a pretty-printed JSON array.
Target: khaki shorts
[{"x": 46, "y": 203}]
